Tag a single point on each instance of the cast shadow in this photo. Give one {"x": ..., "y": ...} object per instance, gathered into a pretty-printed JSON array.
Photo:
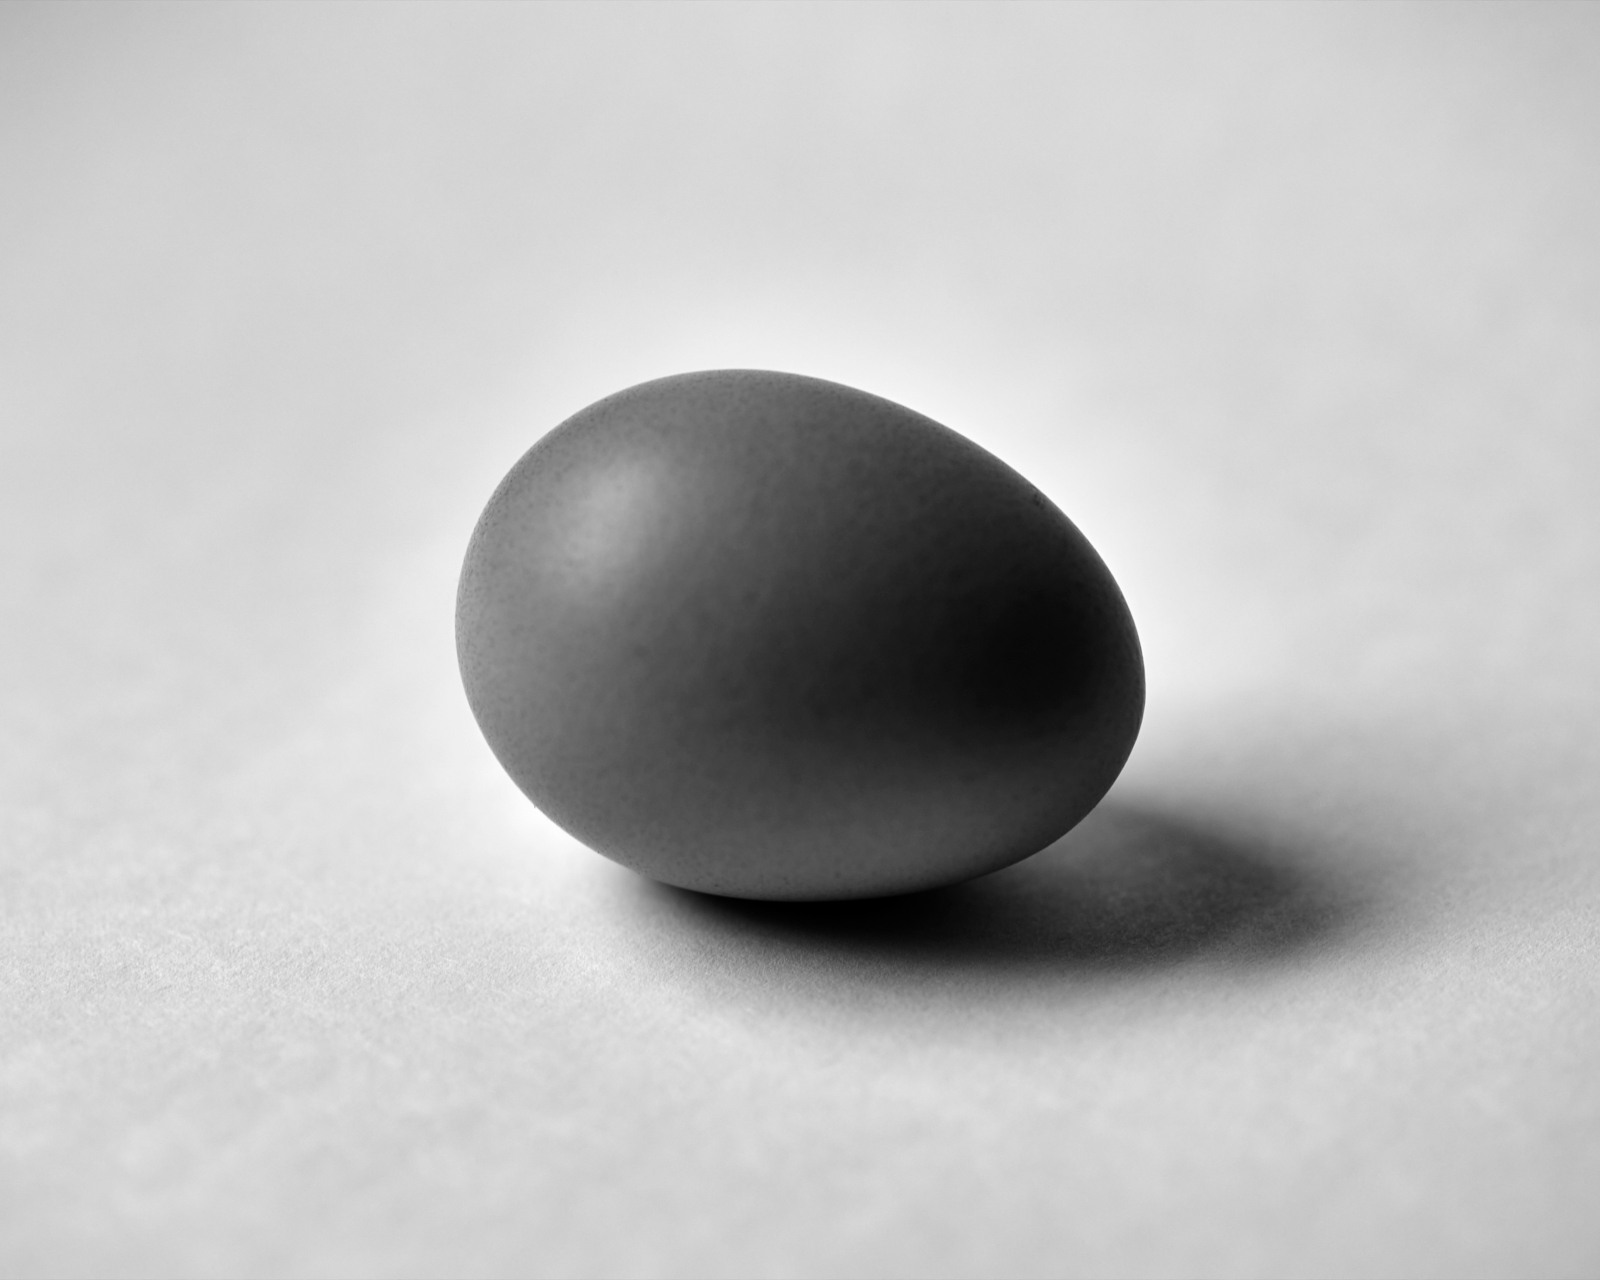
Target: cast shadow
[{"x": 1130, "y": 887}]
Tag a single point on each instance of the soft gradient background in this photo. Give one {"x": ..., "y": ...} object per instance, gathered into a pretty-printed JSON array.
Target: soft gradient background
[{"x": 1295, "y": 310}]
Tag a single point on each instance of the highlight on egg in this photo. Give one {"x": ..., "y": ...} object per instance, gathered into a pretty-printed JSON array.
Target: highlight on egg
[{"x": 767, "y": 636}]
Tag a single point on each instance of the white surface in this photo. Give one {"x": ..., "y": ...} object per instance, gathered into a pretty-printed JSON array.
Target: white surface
[{"x": 1294, "y": 309}]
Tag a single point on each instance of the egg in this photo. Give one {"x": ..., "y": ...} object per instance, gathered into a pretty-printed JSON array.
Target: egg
[{"x": 767, "y": 636}]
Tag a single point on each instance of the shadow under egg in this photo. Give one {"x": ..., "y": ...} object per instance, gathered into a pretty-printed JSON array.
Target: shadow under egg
[{"x": 1129, "y": 887}]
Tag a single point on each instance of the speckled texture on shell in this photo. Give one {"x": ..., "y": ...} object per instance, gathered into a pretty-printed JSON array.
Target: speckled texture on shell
[{"x": 771, "y": 637}]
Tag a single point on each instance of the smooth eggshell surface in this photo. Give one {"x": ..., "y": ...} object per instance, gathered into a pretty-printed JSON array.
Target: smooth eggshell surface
[{"x": 767, "y": 636}]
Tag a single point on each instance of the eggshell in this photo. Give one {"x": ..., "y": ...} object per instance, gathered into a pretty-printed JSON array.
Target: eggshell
[{"x": 767, "y": 636}]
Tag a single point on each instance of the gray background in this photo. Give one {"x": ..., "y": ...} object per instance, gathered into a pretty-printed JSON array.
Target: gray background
[{"x": 1295, "y": 310}]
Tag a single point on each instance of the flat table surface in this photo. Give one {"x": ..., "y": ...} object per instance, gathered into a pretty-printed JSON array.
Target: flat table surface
[{"x": 1294, "y": 310}]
